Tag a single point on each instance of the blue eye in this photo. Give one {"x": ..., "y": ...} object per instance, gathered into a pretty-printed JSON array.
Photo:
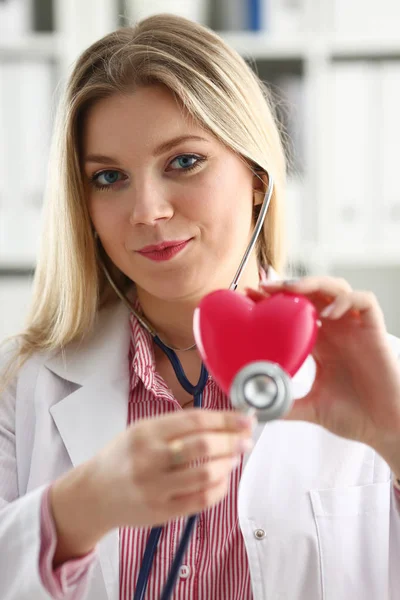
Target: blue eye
[
  {"x": 110, "y": 177},
  {"x": 186, "y": 162}
]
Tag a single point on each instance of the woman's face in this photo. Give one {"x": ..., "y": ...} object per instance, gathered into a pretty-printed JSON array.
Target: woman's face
[{"x": 156, "y": 176}]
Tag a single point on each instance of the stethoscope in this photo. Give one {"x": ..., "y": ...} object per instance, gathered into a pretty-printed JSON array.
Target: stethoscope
[{"x": 262, "y": 388}]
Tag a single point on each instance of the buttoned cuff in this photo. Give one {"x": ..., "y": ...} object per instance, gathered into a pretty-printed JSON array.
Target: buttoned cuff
[{"x": 61, "y": 581}]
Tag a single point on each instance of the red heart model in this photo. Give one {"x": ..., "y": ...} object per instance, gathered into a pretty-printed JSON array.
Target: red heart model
[{"x": 231, "y": 330}]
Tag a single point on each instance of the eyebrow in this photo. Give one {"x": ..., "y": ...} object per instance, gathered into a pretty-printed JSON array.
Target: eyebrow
[{"x": 100, "y": 158}]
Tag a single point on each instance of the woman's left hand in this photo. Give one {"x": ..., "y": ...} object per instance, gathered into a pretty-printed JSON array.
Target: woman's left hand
[{"x": 356, "y": 392}]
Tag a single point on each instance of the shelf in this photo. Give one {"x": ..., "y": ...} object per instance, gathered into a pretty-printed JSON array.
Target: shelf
[
  {"x": 260, "y": 45},
  {"x": 15, "y": 270},
  {"x": 39, "y": 45},
  {"x": 339, "y": 47}
]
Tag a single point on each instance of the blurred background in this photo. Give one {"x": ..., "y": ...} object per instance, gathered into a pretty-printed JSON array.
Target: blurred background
[{"x": 334, "y": 69}]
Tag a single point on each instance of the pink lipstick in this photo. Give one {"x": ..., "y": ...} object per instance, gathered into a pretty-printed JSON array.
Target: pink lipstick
[{"x": 163, "y": 251}]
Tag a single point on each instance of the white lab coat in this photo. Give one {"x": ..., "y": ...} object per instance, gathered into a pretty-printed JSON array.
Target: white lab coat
[{"x": 327, "y": 521}]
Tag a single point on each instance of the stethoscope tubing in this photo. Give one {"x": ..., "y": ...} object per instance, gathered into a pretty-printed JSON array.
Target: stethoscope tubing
[
  {"x": 147, "y": 562},
  {"x": 197, "y": 392},
  {"x": 155, "y": 533},
  {"x": 180, "y": 553}
]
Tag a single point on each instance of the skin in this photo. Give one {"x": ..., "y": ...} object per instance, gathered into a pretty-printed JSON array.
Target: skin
[
  {"x": 133, "y": 480},
  {"x": 156, "y": 200},
  {"x": 356, "y": 392}
]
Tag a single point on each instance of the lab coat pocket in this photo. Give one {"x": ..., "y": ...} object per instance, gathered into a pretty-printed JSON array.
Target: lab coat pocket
[{"x": 353, "y": 536}]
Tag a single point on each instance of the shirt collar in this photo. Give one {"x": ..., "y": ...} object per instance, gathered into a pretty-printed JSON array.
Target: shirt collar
[{"x": 141, "y": 355}]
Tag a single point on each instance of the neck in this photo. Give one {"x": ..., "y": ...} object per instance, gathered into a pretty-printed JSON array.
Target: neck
[{"x": 173, "y": 319}]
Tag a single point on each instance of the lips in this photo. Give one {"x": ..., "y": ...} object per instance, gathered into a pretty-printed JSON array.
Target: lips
[
  {"x": 162, "y": 246},
  {"x": 164, "y": 251}
]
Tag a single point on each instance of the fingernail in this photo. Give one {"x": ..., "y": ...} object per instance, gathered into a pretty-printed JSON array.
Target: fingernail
[
  {"x": 245, "y": 421},
  {"x": 244, "y": 445},
  {"x": 327, "y": 310},
  {"x": 269, "y": 283}
]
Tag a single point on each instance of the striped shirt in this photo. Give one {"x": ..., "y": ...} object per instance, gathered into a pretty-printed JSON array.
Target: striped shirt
[{"x": 215, "y": 565}]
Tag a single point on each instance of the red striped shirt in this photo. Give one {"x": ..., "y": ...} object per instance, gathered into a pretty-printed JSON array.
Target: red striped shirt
[{"x": 215, "y": 565}]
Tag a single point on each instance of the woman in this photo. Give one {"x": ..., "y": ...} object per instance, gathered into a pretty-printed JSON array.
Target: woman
[{"x": 164, "y": 150}]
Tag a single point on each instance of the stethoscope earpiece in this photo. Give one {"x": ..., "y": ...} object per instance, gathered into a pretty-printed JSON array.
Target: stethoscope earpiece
[{"x": 262, "y": 388}]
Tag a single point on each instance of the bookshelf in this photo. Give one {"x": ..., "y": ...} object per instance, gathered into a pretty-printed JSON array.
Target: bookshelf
[
  {"x": 307, "y": 62},
  {"x": 39, "y": 45},
  {"x": 309, "y": 55},
  {"x": 258, "y": 45}
]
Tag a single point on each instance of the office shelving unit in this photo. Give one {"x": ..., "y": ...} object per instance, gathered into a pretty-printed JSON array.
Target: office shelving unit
[{"x": 312, "y": 55}]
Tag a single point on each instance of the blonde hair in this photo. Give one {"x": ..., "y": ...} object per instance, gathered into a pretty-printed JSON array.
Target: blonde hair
[{"x": 216, "y": 86}]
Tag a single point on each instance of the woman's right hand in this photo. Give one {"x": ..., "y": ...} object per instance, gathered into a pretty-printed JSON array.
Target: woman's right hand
[
  {"x": 140, "y": 480},
  {"x": 135, "y": 481}
]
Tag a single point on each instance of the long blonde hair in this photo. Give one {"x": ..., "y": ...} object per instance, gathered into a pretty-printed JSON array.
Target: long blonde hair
[{"x": 216, "y": 86}]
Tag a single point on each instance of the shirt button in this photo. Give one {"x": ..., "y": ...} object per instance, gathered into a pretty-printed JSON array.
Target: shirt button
[
  {"x": 259, "y": 534},
  {"x": 184, "y": 571}
]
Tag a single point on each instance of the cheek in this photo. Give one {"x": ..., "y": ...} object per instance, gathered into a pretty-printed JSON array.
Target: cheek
[
  {"x": 227, "y": 210},
  {"x": 220, "y": 199},
  {"x": 105, "y": 218}
]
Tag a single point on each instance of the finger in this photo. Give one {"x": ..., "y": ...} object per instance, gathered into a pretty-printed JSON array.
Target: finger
[
  {"x": 211, "y": 446},
  {"x": 194, "y": 479},
  {"x": 194, "y": 420},
  {"x": 321, "y": 291},
  {"x": 195, "y": 503},
  {"x": 255, "y": 295},
  {"x": 363, "y": 305},
  {"x": 342, "y": 304},
  {"x": 328, "y": 286}
]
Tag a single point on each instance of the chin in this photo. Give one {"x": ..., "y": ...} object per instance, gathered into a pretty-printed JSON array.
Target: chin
[{"x": 177, "y": 288}]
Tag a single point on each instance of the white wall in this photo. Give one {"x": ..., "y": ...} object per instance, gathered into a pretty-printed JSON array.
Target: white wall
[
  {"x": 302, "y": 67},
  {"x": 384, "y": 282},
  {"x": 14, "y": 298}
]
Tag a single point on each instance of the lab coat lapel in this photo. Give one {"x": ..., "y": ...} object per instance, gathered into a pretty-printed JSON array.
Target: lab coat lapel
[
  {"x": 92, "y": 415},
  {"x": 88, "y": 418}
]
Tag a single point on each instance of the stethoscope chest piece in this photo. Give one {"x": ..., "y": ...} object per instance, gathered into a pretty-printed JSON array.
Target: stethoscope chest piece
[{"x": 262, "y": 388}]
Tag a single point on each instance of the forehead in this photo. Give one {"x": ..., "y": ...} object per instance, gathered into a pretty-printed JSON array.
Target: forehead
[{"x": 144, "y": 118}]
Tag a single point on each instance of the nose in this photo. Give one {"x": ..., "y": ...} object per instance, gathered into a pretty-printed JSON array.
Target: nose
[{"x": 150, "y": 204}]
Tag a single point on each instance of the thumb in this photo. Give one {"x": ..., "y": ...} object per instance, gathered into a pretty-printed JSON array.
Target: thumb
[
  {"x": 255, "y": 295},
  {"x": 303, "y": 409}
]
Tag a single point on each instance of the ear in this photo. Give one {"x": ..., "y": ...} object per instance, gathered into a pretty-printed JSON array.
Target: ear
[{"x": 260, "y": 185}]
